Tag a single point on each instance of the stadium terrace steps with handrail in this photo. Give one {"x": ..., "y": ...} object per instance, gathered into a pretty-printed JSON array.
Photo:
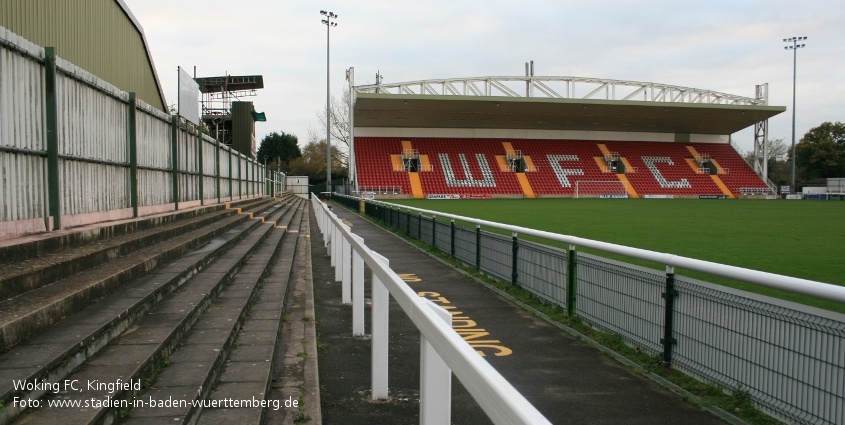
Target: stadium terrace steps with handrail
[
  {"x": 180, "y": 347},
  {"x": 25, "y": 314},
  {"x": 58, "y": 349}
]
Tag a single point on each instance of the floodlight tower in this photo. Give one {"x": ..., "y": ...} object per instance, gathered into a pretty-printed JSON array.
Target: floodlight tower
[
  {"x": 329, "y": 24},
  {"x": 794, "y": 47}
]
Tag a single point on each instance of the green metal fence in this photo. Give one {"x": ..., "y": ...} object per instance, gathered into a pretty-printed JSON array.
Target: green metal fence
[
  {"x": 789, "y": 358},
  {"x": 77, "y": 150}
]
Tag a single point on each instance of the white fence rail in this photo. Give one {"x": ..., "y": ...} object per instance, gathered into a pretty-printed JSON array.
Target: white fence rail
[
  {"x": 75, "y": 150},
  {"x": 442, "y": 349}
]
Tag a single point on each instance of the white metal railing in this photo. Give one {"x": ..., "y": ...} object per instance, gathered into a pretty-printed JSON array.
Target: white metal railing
[
  {"x": 384, "y": 190},
  {"x": 795, "y": 285},
  {"x": 513, "y": 154},
  {"x": 754, "y": 191},
  {"x": 410, "y": 153},
  {"x": 442, "y": 350},
  {"x": 559, "y": 87}
]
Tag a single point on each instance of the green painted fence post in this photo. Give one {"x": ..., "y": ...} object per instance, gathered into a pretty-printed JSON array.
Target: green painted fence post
[
  {"x": 668, "y": 341},
  {"x": 571, "y": 279},
  {"x": 434, "y": 231},
  {"x": 477, "y": 247},
  {"x": 174, "y": 159},
  {"x": 51, "y": 119},
  {"x": 133, "y": 155},
  {"x": 452, "y": 239},
  {"x": 240, "y": 179},
  {"x": 200, "y": 166},
  {"x": 514, "y": 270},
  {"x": 217, "y": 169}
]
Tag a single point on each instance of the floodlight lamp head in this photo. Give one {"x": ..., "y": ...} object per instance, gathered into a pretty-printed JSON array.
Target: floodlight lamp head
[{"x": 323, "y": 12}]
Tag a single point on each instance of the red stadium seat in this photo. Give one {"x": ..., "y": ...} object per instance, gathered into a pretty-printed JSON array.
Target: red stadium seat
[{"x": 661, "y": 168}]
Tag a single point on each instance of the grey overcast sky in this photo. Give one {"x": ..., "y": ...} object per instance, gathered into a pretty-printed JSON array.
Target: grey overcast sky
[{"x": 723, "y": 45}]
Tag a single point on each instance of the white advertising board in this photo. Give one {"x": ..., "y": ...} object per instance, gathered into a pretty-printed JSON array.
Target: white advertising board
[{"x": 189, "y": 97}]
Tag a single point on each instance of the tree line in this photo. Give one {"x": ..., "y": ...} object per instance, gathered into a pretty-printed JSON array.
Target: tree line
[{"x": 819, "y": 154}]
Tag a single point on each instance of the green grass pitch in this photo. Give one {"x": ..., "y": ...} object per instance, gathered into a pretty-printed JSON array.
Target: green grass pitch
[{"x": 804, "y": 239}]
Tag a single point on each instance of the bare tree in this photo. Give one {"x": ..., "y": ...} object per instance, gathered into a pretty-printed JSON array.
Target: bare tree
[
  {"x": 339, "y": 128},
  {"x": 340, "y": 152},
  {"x": 778, "y": 153}
]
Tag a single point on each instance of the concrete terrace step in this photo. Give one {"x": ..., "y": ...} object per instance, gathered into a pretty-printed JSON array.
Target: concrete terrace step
[
  {"x": 193, "y": 370},
  {"x": 136, "y": 348},
  {"x": 31, "y": 246},
  {"x": 55, "y": 352},
  {"x": 249, "y": 367},
  {"x": 24, "y": 316},
  {"x": 22, "y": 276}
]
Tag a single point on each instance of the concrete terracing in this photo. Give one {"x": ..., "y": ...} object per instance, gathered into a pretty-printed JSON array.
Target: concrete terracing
[{"x": 138, "y": 321}]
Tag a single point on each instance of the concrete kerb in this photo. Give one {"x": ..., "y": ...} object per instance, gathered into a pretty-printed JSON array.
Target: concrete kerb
[
  {"x": 296, "y": 373},
  {"x": 311, "y": 392},
  {"x": 722, "y": 414}
]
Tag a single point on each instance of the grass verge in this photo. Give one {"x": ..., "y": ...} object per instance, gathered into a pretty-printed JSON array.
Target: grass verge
[{"x": 801, "y": 239}]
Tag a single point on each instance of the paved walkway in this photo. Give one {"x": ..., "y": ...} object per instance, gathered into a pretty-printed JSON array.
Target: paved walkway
[{"x": 568, "y": 381}]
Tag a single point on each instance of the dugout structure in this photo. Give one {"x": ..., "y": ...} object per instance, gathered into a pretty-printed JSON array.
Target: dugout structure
[{"x": 611, "y": 113}]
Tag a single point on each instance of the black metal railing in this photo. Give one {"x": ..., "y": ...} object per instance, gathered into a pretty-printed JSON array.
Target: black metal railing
[{"x": 787, "y": 357}]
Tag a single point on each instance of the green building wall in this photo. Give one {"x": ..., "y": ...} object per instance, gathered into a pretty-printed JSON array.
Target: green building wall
[
  {"x": 99, "y": 36},
  {"x": 243, "y": 128}
]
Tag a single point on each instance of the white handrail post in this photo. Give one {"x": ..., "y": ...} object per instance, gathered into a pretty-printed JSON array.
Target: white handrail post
[
  {"x": 346, "y": 271},
  {"x": 338, "y": 252},
  {"x": 357, "y": 291},
  {"x": 322, "y": 220},
  {"x": 333, "y": 241},
  {"x": 379, "y": 327},
  {"x": 435, "y": 378}
]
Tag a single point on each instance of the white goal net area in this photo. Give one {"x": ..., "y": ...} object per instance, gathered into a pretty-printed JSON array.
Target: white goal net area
[{"x": 601, "y": 189}]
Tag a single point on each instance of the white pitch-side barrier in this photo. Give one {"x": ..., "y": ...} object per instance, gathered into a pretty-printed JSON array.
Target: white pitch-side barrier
[{"x": 442, "y": 350}]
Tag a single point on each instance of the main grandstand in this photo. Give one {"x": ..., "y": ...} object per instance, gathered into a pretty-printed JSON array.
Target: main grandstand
[{"x": 565, "y": 137}]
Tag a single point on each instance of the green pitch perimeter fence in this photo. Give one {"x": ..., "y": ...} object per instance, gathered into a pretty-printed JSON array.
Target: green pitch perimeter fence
[{"x": 789, "y": 358}]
